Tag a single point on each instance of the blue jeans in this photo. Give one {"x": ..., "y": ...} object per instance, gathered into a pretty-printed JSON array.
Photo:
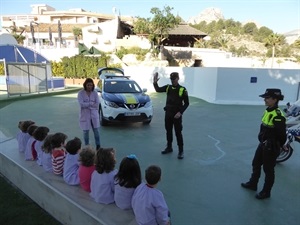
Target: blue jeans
[{"x": 96, "y": 136}]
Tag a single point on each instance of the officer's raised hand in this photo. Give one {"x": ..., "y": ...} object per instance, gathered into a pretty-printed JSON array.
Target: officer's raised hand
[{"x": 155, "y": 77}]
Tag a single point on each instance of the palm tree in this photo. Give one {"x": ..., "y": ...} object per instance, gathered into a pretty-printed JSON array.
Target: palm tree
[
  {"x": 77, "y": 34},
  {"x": 13, "y": 31},
  {"x": 200, "y": 43},
  {"x": 274, "y": 40},
  {"x": 223, "y": 41}
]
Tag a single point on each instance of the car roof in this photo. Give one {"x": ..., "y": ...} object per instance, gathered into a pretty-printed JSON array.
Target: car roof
[
  {"x": 110, "y": 72},
  {"x": 114, "y": 77}
]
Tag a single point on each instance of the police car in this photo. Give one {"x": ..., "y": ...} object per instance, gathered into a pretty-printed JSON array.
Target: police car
[{"x": 122, "y": 99}]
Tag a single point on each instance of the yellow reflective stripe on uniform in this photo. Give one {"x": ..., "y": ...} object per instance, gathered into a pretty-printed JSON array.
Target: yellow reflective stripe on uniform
[
  {"x": 181, "y": 90},
  {"x": 130, "y": 98},
  {"x": 267, "y": 119}
]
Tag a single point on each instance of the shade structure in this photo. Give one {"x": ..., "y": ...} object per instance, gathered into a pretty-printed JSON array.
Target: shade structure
[
  {"x": 18, "y": 53},
  {"x": 83, "y": 50}
]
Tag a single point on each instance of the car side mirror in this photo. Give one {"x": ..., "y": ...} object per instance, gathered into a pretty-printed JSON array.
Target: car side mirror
[{"x": 144, "y": 90}]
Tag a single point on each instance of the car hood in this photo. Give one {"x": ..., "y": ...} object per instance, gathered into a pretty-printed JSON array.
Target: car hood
[{"x": 126, "y": 98}]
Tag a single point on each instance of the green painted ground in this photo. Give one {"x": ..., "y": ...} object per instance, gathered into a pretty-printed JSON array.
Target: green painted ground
[{"x": 17, "y": 209}]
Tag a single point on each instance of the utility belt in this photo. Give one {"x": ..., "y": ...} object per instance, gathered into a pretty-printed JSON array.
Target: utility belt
[{"x": 171, "y": 108}]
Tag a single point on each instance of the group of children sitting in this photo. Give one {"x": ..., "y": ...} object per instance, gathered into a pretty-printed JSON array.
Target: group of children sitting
[{"x": 94, "y": 170}]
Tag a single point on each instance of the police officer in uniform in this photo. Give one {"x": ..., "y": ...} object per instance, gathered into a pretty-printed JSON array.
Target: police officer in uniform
[
  {"x": 272, "y": 136},
  {"x": 176, "y": 103}
]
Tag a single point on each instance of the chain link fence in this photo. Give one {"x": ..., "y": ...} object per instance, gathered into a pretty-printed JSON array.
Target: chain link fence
[{"x": 26, "y": 78}]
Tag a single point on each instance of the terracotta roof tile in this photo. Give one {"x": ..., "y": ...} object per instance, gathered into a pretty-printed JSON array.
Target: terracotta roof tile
[
  {"x": 185, "y": 29},
  {"x": 67, "y": 28}
]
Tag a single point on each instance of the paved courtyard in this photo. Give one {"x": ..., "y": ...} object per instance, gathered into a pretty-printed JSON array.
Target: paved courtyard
[{"x": 204, "y": 187}]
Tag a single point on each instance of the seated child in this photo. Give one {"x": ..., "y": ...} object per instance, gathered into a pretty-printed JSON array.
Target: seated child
[
  {"x": 102, "y": 182},
  {"x": 58, "y": 152},
  {"x": 39, "y": 135},
  {"x": 71, "y": 164},
  {"x": 126, "y": 180},
  {"x": 47, "y": 154},
  {"x": 148, "y": 203},
  {"x": 22, "y": 135},
  {"x": 86, "y": 167},
  {"x": 30, "y": 152}
]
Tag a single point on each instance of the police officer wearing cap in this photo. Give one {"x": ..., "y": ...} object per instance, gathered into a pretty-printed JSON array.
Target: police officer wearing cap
[
  {"x": 176, "y": 103},
  {"x": 272, "y": 136}
]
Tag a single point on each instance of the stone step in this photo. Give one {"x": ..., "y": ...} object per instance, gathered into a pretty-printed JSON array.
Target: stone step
[{"x": 68, "y": 204}]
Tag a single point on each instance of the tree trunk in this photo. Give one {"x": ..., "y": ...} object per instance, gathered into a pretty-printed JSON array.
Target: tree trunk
[{"x": 273, "y": 54}]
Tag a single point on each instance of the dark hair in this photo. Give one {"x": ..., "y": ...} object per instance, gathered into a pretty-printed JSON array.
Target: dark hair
[
  {"x": 40, "y": 133},
  {"x": 25, "y": 124},
  {"x": 129, "y": 173},
  {"x": 58, "y": 139},
  {"x": 87, "y": 156},
  {"x": 20, "y": 124},
  {"x": 88, "y": 80},
  {"x": 105, "y": 160},
  {"x": 73, "y": 146},
  {"x": 47, "y": 147},
  {"x": 153, "y": 174},
  {"x": 31, "y": 129}
]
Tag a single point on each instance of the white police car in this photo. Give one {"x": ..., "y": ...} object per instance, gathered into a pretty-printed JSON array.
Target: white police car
[{"x": 122, "y": 99}]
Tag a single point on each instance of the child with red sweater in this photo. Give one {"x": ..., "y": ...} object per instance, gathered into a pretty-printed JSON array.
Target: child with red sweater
[
  {"x": 86, "y": 167},
  {"x": 30, "y": 152},
  {"x": 58, "y": 152}
]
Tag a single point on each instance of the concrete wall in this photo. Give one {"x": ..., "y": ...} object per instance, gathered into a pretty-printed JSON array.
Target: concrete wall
[{"x": 224, "y": 85}]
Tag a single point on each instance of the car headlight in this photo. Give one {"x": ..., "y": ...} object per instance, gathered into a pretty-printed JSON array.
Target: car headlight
[
  {"x": 111, "y": 104},
  {"x": 148, "y": 104}
]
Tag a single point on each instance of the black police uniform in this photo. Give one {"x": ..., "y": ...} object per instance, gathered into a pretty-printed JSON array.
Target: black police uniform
[
  {"x": 177, "y": 101},
  {"x": 272, "y": 136}
]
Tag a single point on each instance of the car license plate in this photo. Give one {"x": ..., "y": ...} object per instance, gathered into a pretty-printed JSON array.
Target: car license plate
[{"x": 132, "y": 114}]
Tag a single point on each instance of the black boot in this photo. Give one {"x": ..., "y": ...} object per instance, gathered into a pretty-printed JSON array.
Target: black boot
[
  {"x": 249, "y": 185},
  {"x": 167, "y": 150},
  {"x": 263, "y": 195},
  {"x": 180, "y": 153}
]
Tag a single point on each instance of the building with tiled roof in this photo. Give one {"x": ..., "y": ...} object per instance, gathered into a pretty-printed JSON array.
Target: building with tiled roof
[
  {"x": 183, "y": 35},
  {"x": 45, "y": 28},
  {"x": 43, "y": 21}
]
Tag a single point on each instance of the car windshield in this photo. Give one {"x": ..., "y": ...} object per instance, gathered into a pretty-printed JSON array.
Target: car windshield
[{"x": 115, "y": 86}]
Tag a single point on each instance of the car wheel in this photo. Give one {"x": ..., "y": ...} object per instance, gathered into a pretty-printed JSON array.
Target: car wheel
[
  {"x": 147, "y": 122},
  {"x": 103, "y": 122}
]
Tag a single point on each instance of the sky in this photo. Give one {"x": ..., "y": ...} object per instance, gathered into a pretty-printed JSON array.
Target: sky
[{"x": 279, "y": 15}]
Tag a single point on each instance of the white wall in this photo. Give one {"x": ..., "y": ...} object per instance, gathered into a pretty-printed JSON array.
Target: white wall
[
  {"x": 224, "y": 85},
  {"x": 55, "y": 54}
]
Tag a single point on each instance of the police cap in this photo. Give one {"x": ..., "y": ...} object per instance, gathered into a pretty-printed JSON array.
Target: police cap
[{"x": 273, "y": 93}]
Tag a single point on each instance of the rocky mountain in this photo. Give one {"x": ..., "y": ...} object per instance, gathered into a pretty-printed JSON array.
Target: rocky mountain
[
  {"x": 214, "y": 14},
  {"x": 208, "y": 15},
  {"x": 292, "y": 36}
]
